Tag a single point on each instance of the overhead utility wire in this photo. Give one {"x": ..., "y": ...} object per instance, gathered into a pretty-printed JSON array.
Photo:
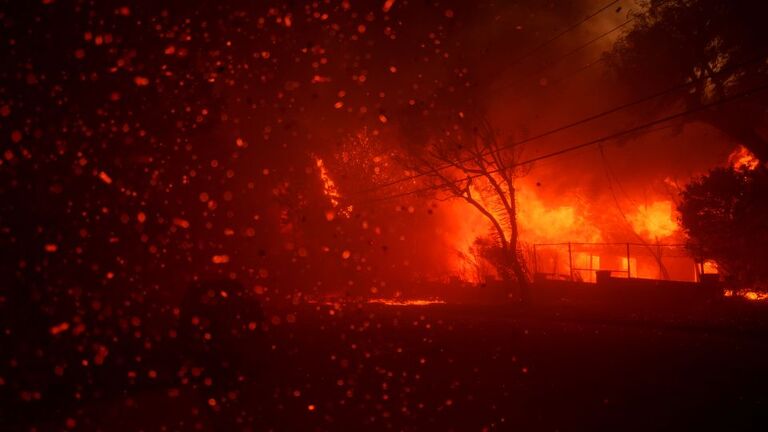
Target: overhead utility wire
[
  {"x": 547, "y": 66},
  {"x": 613, "y": 136},
  {"x": 577, "y": 122},
  {"x": 557, "y": 60},
  {"x": 561, "y": 79},
  {"x": 562, "y": 33}
]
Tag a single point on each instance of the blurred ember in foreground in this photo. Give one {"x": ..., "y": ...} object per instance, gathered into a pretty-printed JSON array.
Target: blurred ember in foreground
[{"x": 384, "y": 215}]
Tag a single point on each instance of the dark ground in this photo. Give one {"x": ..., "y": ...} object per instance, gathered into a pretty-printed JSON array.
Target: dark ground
[{"x": 468, "y": 368}]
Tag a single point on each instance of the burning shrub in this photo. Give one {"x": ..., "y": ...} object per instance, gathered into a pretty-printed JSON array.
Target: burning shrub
[{"x": 725, "y": 216}]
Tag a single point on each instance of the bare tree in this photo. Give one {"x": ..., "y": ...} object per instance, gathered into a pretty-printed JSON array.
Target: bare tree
[{"x": 470, "y": 163}]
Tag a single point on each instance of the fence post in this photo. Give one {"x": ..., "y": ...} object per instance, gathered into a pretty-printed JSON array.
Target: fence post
[
  {"x": 570, "y": 260},
  {"x": 661, "y": 266},
  {"x": 629, "y": 268},
  {"x": 535, "y": 261}
]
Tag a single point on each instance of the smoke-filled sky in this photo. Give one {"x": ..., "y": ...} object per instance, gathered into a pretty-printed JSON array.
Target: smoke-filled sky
[{"x": 149, "y": 142}]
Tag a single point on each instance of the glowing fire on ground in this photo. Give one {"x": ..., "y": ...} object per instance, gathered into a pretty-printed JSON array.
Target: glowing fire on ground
[
  {"x": 747, "y": 295},
  {"x": 406, "y": 302},
  {"x": 338, "y": 303}
]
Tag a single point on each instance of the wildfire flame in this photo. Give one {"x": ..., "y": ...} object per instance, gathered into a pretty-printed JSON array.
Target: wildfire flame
[
  {"x": 466, "y": 226},
  {"x": 747, "y": 295},
  {"x": 710, "y": 267},
  {"x": 538, "y": 222},
  {"x": 655, "y": 221},
  {"x": 330, "y": 190},
  {"x": 742, "y": 159},
  {"x": 542, "y": 223}
]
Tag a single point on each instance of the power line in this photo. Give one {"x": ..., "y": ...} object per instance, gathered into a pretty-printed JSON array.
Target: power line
[
  {"x": 577, "y": 122},
  {"x": 557, "y": 60},
  {"x": 646, "y": 132},
  {"x": 551, "y": 62},
  {"x": 545, "y": 67},
  {"x": 609, "y": 137},
  {"x": 562, "y": 33},
  {"x": 560, "y": 80},
  {"x": 655, "y": 254}
]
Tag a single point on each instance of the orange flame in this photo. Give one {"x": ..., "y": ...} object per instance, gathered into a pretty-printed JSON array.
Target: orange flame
[
  {"x": 537, "y": 223},
  {"x": 469, "y": 226},
  {"x": 710, "y": 267},
  {"x": 742, "y": 159},
  {"x": 747, "y": 295},
  {"x": 330, "y": 190},
  {"x": 655, "y": 221},
  {"x": 540, "y": 223}
]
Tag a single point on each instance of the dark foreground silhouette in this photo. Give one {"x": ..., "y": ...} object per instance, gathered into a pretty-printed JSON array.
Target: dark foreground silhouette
[{"x": 352, "y": 366}]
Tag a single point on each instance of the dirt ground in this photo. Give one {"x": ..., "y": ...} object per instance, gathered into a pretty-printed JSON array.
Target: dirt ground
[{"x": 462, "y": 368}]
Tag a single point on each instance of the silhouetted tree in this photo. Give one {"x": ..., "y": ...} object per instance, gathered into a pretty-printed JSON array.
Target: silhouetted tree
[
  {"x": 725, "y": 215},
  {"x": 718, "y": 45},
  {"x": 468, "y": 161}
]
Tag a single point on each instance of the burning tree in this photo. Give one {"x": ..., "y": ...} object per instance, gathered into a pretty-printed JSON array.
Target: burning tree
[{"x": 467, "y": 161}]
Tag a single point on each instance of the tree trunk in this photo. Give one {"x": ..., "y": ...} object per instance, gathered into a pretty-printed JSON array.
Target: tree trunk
[
  {"x": 505, "y": 246},
  {"x": 518, "y": 267}
]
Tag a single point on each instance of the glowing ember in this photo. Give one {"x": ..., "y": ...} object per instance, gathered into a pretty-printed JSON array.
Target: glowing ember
[
  {"x": 387, "y": 5},
  {"x": 105, "y": 177},
  {"x": 743, "y": 159},
  {"x": 59, "y": 328},
  {"x": 220, "y": 259},
  {"x": 182, "y": 223}
]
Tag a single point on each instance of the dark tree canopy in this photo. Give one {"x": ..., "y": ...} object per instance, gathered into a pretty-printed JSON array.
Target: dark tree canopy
[
  {"x": 725, "y": 215},
  {"x": 698, "y": 41}
]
